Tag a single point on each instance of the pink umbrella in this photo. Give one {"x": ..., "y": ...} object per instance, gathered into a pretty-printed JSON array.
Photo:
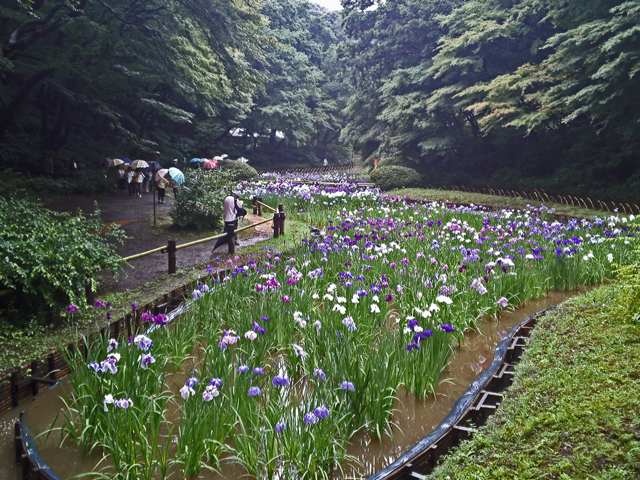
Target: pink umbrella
[
  {"x": 161, "y": 173},
  {"x": 210, "y": 164}
]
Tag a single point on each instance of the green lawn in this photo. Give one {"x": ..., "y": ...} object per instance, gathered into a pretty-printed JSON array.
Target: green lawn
[{"x": 573, "y": 411}]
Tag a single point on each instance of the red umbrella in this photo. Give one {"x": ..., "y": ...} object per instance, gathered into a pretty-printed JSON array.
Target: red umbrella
[{"x": 210, "y": 164}]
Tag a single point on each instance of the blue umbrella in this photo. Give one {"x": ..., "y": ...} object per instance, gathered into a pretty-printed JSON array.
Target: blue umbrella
[
  {"x": 197, "y": 160},
  {"x": 176, "y": 174},
  {"x": 125, "y": 160}
]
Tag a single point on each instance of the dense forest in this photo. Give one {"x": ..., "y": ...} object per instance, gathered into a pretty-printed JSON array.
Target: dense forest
[{"x": 524, "y": 93}]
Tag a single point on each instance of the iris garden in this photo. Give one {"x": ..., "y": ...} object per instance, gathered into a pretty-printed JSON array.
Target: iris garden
[{"x": 276, "y": 366}]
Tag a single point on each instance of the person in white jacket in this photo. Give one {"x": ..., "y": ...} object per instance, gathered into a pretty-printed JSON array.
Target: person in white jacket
[{"x": 230, "y": 212}]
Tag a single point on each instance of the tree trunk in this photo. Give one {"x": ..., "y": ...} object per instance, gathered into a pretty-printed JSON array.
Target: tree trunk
[{"x": 8, "y": 112}]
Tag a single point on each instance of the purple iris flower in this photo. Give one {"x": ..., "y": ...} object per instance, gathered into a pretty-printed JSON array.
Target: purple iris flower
[
  {"x": 243, "y": 368},
  {"x": 319, "y": 372},
  {"x": 72, "y": 309},
  {"x": 254, "y": 392},
  {"x": 98, "y": 304},
  {"x": 349, "y": 323},
  {"x": 280, "y": 427},
  {"x": 447, "y": 328},
  {"x": 413, "y": 346},
  {"x": 347, "y": 386},
  {"x": 145, "y": 360},
  {"x": 192, "y": 382},
  {"x": 123, "y": 403},
  {"x": 310, "y": 419},
  {"x": 143, "y": 342},
  {"x": 216, "y": 382},
  {"x": 264, "y": 319},
  {"x": 280, "y": 381},
  {"x": 321, "y": 412},
  {"x": 258, "y": 371}
]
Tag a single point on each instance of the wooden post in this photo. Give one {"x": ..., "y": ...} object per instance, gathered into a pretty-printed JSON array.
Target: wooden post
[
  {"x": 14, "y": 389},
  {"x": 90, "y": 294},
  {"x": 127, "y": 322},
  {"x": 281, "y": 210},
  {"x": 18, "y": 441},
  {"x": 34, "y": 385},
  {"x": 276, "y": 225},
  {"x": 171, "y": 250},
  {"x": 51, "y": 366},
  {"x": 231, "y": 234},
  {"x": 254, "y": 202},
  {"x": 259, "y": 207}
]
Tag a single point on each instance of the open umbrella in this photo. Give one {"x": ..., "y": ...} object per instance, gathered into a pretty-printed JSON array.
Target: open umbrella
[
  {"x": 197, "y": 160},
  {"x": 125, "y": 160},
  {"x": 139, "y": 164},
  {"x": 176, "y": 174},
  {"x": 154, "y": 165},
  {"x": 104, "y": 160},
  {"x": 114, "y": 163},
  {"x": 161, "y": 173},
  {"x": 210, "y": 164}
]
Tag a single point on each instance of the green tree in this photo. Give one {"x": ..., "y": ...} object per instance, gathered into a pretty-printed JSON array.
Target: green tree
[{"x": 96, "y": 77}]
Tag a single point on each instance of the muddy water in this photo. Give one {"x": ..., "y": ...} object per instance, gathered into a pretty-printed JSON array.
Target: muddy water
[
  {"x": 414, "y": 418},
  {"x": 417, "y": 418}
]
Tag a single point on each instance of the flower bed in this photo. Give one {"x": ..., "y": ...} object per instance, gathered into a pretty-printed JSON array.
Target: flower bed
[{"x": 277, "y": 366}]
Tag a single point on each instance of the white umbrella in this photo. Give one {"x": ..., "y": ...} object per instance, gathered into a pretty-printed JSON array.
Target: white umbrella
[
  {"x": 139, "y": 164},
  {"x": 115, "y": 162}
]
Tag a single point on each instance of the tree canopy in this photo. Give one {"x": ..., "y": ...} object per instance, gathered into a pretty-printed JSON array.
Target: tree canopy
[{"x": 518, "y": 93}]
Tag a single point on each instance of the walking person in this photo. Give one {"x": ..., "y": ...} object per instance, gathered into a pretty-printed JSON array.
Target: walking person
[
  {"x": 161, "y": 185},
  {"x": 174, "y": 186},
  {"x": 139, "y": 178},
  {"x": 130, "y": 181},
  {"x": 231, "y": 207}
]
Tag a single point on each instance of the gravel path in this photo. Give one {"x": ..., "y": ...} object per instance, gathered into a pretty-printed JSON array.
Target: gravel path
[{"x": 135, "y": 216}]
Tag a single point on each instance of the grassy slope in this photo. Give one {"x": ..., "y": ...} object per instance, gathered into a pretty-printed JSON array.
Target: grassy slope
[
  {"x": 493, "y": 200},
  {"x": 573, "y": 411}
]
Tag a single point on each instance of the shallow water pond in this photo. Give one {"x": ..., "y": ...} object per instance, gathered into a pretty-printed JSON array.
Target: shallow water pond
[{"x": 414, "y": 418}]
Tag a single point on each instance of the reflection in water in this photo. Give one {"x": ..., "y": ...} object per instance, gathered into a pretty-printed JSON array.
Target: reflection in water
[{"x": 413, "y": 419}]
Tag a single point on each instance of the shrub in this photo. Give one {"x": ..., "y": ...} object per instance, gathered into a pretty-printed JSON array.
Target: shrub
[
  {"x": 390, "y": 177},
  {"x": 12, "y": 181},
  {"x": 50, "y": 256},
  {"x": 239, "y": 171},
  {"x": 201, "y": 198}
]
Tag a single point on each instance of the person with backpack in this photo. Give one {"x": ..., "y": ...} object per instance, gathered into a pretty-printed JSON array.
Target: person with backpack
[{"x": 231, "y": 211}]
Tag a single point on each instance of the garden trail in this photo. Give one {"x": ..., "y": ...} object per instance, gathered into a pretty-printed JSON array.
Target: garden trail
[{"x": 135, "y": 216}]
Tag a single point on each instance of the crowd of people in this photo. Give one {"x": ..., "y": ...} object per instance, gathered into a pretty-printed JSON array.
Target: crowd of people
[{"x": 141, "y": 180}]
